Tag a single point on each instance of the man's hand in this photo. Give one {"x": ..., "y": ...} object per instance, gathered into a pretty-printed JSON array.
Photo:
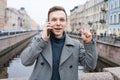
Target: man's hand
[
  {"x": 86, "y": 34},
  {"x": 46, "y": 31}
]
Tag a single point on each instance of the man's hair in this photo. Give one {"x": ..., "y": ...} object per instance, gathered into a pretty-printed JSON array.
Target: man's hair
[{"x": 56, "y": 8}]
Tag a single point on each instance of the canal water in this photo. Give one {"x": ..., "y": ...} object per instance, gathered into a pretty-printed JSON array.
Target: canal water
[{"x": 16, "y": 70}]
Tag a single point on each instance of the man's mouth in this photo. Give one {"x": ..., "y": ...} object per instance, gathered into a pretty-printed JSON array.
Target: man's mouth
[{"x": 57, "y": 28}]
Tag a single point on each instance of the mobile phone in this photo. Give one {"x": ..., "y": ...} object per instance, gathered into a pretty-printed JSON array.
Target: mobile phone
[
  {"x": 49, "y": 29},
  {"x": 48, "y": 32}
]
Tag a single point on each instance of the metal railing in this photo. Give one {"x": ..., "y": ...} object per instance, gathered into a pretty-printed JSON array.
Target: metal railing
[
  {"x": 7, "y": 33},
  {"x": 109, "y": 39}
]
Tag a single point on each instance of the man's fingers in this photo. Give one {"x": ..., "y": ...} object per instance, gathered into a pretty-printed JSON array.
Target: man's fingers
[
  {"x": 49, "y": 26},
  {"x": 81, "y": 30}
]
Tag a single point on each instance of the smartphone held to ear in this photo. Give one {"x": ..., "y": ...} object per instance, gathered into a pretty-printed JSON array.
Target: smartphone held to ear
[
  {"x": 49, "y": 28},
  {"x": 48, "y": 31}
]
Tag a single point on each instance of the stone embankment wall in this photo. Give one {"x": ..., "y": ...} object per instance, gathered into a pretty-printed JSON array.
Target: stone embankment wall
[
  {"x": 12, "y": 45},
  {"x": 7, "y": 41},
  {"x": 112, "y": 73},
  {"x": 108, "y": 52}
]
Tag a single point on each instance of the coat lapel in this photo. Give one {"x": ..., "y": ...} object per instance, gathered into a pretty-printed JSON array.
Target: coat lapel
[
  {"x": 48, "y": 53},
  {"x": 67, "y": 50},
  {"x": 66, "y": 53}
]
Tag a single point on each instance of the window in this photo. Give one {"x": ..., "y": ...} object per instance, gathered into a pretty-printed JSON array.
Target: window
[
  {"x": 111, "y": 6},
  {"x": 114, "y": 18},
  {"x": 110, "y": 19},
  {"x": 115, "y": 4},
  {"x": 13, "y": 24},
  {"x": 119, "y": 18},
  {"x": 119, "y": 3}
]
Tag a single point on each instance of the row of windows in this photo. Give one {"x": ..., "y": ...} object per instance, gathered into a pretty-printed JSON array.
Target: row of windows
[
  {"x": 114, "y": 4},
  {"x": 115, "y": 18}
]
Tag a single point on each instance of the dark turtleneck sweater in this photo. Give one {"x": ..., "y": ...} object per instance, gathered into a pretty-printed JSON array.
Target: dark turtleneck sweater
[{"x": 57, "y": 46}]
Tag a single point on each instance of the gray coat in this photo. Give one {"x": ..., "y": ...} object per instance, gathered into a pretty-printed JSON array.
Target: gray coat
[{"x": 40, "y": 53}]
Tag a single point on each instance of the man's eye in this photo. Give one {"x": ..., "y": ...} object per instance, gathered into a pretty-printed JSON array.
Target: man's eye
[
  {"x": 53, "y": 19},
  {"x": 62, "y": 20}
]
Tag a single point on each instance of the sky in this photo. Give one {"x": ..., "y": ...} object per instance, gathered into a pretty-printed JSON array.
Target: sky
[{"x": 37, "y": 9}]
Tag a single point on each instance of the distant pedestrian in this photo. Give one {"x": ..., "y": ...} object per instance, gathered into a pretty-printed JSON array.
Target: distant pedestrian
[{"x": 55, "y": 54}]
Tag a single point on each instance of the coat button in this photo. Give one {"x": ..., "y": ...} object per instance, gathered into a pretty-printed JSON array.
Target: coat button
[
  {"x": 42, "y": 63},
  {"x": 70, "y": 66},
  {"x": 38, "y": 40}
]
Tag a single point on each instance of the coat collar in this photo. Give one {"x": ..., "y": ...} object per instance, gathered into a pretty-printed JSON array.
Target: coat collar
[
  {"x": 67, "y": 49},
  {"x": 69, "y": 41}
]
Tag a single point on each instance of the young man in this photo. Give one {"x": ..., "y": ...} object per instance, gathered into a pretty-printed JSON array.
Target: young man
[{"x": 55, "y": 54}]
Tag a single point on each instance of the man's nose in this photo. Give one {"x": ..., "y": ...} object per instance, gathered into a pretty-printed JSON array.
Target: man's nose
[{"x": 57, "y": 22}]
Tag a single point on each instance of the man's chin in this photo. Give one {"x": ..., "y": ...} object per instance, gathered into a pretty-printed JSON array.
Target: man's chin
[{"x": 57, "y": 35}]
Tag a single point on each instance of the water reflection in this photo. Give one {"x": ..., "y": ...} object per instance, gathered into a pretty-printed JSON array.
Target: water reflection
[{"x": 15, "y": 69}]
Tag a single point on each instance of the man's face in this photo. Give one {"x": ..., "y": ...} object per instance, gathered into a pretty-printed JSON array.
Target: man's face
[{"x": 58, "y": 21}]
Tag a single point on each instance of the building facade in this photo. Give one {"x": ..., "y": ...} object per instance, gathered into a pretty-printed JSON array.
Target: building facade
[
  {"x": 19, "y": 20},
  {"x": 3, "y": 5},
  {"x": 12, "y": 19},
  {"x": 73, "y": 18},
  {"x": 100, "y": 23},
  {"x": 114, "y": 17},
  {"x": 94, "y": 13}
]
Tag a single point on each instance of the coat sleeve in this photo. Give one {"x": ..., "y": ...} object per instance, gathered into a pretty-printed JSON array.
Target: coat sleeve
[
  {"x": 88, "y": 55},
  {"x": 30, "y": 54}
]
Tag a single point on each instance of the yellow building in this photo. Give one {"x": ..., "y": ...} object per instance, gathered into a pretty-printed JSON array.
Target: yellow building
[{"x": 3, "y": 5}]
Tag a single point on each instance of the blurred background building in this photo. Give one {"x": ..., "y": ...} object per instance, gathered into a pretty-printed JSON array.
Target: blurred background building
[{"x": 3, "y": 5}]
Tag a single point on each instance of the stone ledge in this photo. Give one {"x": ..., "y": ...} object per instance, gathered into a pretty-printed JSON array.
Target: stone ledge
[
  {"x": 96, "y": 76},
  {"x": 115, "y": 71},
  {"x": 15, "y": 79},
  {"x": 107, "y": 74}
]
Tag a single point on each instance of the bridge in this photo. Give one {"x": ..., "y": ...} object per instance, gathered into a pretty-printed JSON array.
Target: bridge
[{"x": 108, "y": 54}]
